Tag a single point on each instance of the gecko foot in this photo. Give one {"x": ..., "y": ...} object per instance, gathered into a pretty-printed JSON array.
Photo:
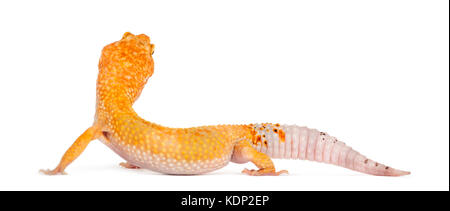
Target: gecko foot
[
  {"x": 55, "y": 171},
  {"x": 264, "y": 172},
  {"x": 129, "y": 166}
]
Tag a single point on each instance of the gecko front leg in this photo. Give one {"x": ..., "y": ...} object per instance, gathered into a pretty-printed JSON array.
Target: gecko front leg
[
  {"x": 244, "y": 152},
  {"x": 74, "y": 151}
]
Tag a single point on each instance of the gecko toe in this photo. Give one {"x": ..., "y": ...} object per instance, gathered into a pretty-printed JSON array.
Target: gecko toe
[
  {"x": 282, "y": 172},
  {"x": 52, "y": 172},
  {"x": 129, "y": 165},
  {"x": 264, "y": 172}
]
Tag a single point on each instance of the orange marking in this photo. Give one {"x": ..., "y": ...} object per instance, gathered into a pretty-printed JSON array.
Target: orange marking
[{"x": 282, "y": 136}]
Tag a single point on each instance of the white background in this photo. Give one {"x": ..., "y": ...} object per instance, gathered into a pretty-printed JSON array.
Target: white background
[{"x": 372, "y": 73}]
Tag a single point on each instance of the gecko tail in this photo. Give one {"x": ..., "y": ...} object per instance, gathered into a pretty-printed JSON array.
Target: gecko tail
[{"x": 295, "y": 142}]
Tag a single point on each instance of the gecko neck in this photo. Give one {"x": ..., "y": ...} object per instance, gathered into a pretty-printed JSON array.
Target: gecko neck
[{"x": 115, "y": 100}]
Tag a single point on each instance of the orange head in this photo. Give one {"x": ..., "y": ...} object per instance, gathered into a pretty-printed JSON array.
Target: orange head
[{"x": 125, "y": 67}]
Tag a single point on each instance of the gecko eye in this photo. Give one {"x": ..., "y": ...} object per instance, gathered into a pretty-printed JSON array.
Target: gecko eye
[{"x": 153, "y": 48}]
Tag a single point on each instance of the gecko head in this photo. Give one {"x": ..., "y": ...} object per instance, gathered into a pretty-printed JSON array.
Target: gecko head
[
  {"x": 128, "y": 62},
  {"x": 134, "y": 55},
  {"x": 142, "y": 41}
]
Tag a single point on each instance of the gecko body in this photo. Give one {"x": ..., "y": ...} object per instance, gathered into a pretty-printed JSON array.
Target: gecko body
[{"x": 124, "y": 68}]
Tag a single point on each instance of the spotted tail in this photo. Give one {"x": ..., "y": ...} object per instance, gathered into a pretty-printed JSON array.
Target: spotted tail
[{"x": 294, "y": 142}]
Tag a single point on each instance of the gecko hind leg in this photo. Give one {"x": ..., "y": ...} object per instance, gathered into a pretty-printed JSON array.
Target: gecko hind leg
[
  {"x": 129, "y": 165},
  {"x": 244, "y": 152}
]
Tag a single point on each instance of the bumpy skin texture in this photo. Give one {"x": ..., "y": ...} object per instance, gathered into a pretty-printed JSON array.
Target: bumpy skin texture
[{"x": 124, "y": 69}]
